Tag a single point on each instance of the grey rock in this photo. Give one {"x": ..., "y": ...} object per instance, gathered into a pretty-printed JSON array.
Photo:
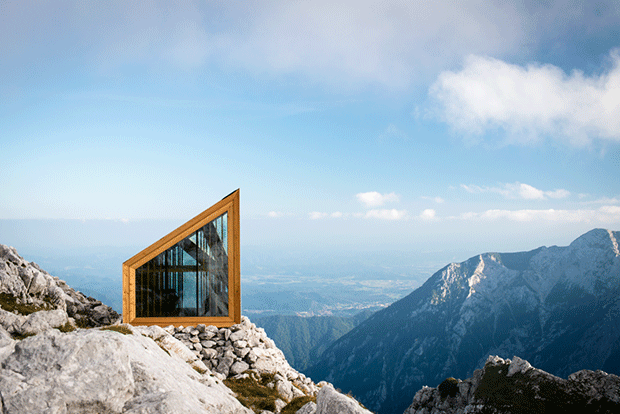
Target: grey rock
[
  {"x": 514, "y": 386},
  {"x": 238, "y": 368},
  {"x": 309, "y": 408},
  {"x": 330, "y": 401},
  {"x": 30, "y": 285},
  {"x": 251, "y": 357},
  {"x": 206, "y": 335},
  {"x": 41, "y": 321},
  {"x": 284, "y": 388},
  {"x": 240, "y": 344},
  {"x": 93, "y": 371},
  {"x": 223, "y": 367},
  {"x": 279, "y": 405},
  {"x": 242, "y": 352},
  {"x": 209, "y": 353},
  {"x": 237, "y": 336}
]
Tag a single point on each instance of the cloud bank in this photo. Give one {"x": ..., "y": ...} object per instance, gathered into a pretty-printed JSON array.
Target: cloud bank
[
  {"x": 530, "y": 102},
  {"x": 605, "y": 214},
  {"x": 518, "y": 191}
]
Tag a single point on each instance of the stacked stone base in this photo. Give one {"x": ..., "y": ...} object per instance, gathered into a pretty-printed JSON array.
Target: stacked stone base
[{"x": 242, "y": 350}]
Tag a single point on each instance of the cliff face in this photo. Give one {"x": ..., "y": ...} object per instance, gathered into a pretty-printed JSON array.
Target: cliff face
[
  {"x": 514, "y": 386},
  {"x": 558, "y": 307}
]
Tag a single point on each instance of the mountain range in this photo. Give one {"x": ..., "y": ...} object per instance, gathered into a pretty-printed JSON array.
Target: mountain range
[{"x": 557, "y": 307}]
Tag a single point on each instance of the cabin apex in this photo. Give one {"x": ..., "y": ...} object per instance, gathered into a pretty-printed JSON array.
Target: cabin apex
[{"x": 190, "y": 276}]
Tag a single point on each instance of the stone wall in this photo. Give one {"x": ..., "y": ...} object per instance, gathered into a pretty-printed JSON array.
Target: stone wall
[{"x": 241, "y": 350}]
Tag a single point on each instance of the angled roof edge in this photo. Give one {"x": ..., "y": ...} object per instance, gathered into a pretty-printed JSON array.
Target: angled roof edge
[{"x": 181, "y": 232}]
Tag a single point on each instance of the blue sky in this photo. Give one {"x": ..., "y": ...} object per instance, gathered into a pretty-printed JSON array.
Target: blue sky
[{"x": 354, "y": 126}]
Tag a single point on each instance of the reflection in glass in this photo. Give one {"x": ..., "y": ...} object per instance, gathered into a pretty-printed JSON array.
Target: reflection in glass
[{"x": 188, "y": 279}]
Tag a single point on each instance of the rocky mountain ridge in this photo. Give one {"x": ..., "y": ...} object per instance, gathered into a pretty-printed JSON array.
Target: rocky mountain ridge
[
  {"x": 558, "y": 307},
  {"x": 63, "y": 352},
  {"x": 514, "y": 386}
]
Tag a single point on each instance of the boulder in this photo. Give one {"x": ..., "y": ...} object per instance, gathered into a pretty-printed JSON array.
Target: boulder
[
  {"x": 94, "y": 371},
  {"x": 330, "y": 401},
  {"x": 238, "y": 368},
  {"x": 309, "y": 408}
]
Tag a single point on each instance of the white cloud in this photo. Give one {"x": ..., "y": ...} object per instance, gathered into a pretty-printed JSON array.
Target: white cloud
[
  {"x": 605, "y": 214},
  {"x": 530, "y": 102},
  {"x": 604, "y": 200},
  {"x": 275, "y": 214},
  {"x": 518, "y": 191},
  {"x": 337, "y": 214},
  {"x": 375, "y": 199},
  {"x": 428, "y": 214},
  {"x": 315, "y": 215},
  {"x": 385, "y": 214}
]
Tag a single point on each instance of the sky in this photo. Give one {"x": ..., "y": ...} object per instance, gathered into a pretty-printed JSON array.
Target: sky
[{"x": 348, "y": 126}]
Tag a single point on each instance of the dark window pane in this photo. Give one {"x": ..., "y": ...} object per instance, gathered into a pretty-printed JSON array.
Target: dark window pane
[{"x": 188, "y": 279}]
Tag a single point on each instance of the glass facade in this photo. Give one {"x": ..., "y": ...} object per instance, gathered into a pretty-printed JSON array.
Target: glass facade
[{"x": 189, "y": 278}]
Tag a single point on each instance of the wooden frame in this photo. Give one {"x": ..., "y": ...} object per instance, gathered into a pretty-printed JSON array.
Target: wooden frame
[{"x": 229, "y": 205}]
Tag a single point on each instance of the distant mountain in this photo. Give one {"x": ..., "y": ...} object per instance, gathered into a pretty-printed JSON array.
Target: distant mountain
[
  {"x": 304, "y": 339},
  {"x": 557, "y": 307}
]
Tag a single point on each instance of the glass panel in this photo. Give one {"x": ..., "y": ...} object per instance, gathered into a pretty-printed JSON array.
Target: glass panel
[{"x": 188, "y": 279}]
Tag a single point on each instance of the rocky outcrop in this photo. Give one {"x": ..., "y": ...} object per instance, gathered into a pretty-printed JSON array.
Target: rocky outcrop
[
  {"x": 230, "y": 352},
  {"x": 514, "y": 386},
  {"x": 104, "y": 372},
  {"x": 330, "y": 401},
  {"x": 32, "y": 300}
]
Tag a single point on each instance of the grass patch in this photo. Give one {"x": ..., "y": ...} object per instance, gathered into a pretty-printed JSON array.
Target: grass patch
[
  {"x": 19, "y": 337},
  {"x": 9, "y": 303},
  {"x": 198, "y": 370},
  {"x": 297, "y": 403},
  {"x": 117, "y": 328},
  {"x": 81, "y": 322},
  {"x": 67, "y": 327},
  {"x": 253, "y": 394}
]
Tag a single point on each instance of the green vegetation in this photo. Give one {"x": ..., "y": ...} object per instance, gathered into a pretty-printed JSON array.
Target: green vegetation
[
  {"x": 81, "y": 321},
  {"x": 449, "y": 387},
  {"x": 67, "y": 327},
  {"x": 254, "y": 394},
  {"x": 19, "y": 337},
  {"x": 117, "y": 328},
  {"x": 10, "y": 303},
  {"x": 297, "y": 403},
  {"x": 526, "y": 393},
  {"x": 198, "y": 370}
]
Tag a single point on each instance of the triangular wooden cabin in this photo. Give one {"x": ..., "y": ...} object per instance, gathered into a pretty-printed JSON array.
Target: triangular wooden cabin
[{"x": 190, "y": 276}]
